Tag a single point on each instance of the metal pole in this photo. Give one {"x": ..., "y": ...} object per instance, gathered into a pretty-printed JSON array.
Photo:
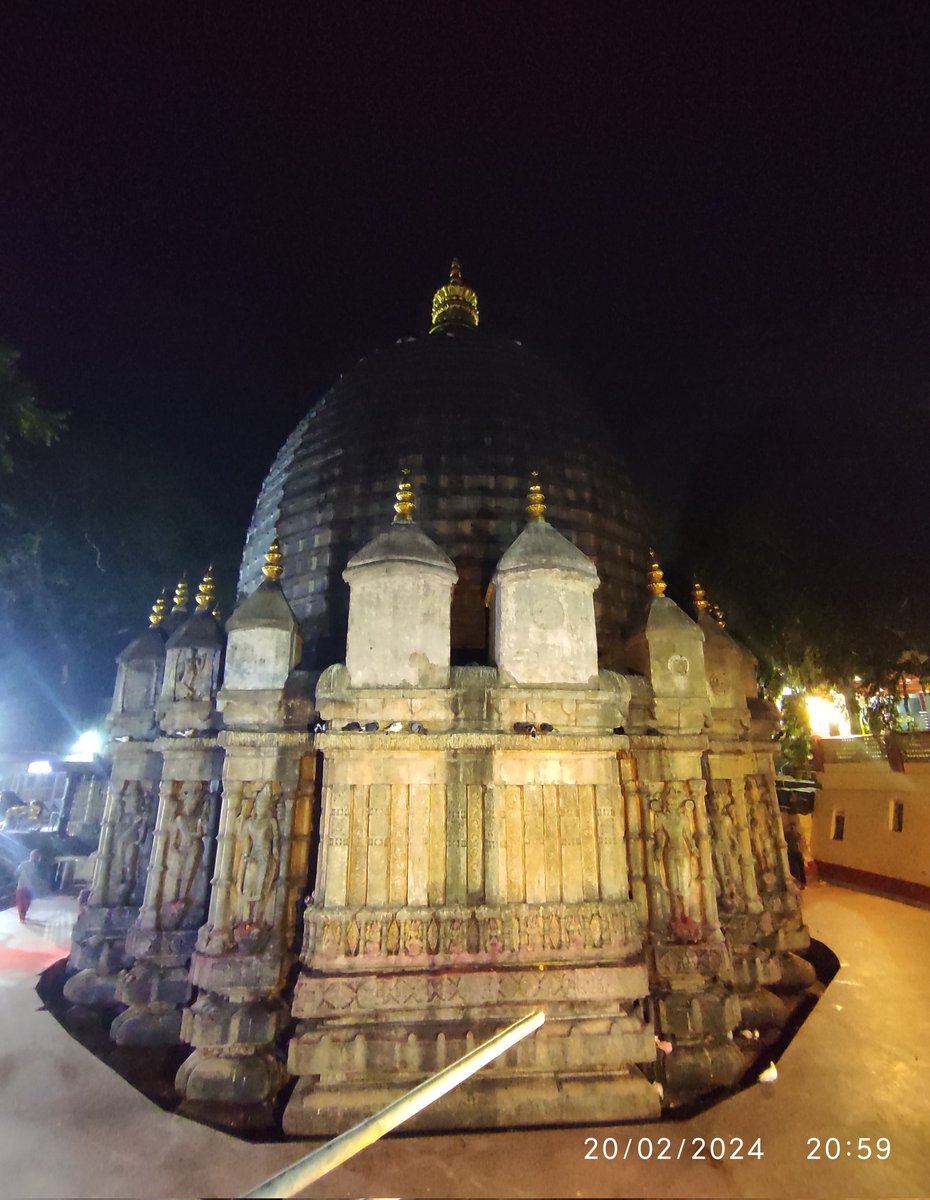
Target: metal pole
[{"x": 307, "y": 1170}]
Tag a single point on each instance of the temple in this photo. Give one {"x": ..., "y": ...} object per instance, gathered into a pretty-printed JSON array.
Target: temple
[{"x": 455, "y": 756}]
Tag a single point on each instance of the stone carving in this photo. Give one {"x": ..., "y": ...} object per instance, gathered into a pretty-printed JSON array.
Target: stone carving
[
  {"x": 260, "y": 855},
  {"x": 591, "y": 930},
  {"x": 724, "y": 820},
  {"x": 131, "y": 830},
  {"x": 761, "y": 834},
  {"x": 675, "y": 847},
  {"x": 184, "y": 851},
  {"x": 194, "y": 676}
]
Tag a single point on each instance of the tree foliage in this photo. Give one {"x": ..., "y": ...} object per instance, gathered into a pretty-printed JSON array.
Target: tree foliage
[{"x": 21, "y": 415}]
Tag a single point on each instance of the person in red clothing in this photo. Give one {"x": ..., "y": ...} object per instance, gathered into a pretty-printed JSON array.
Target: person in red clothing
[{"x": 28, "y": 882}]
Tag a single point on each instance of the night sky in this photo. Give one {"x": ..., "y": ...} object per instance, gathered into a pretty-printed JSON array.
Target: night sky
[{"x": 712, "y": 218}]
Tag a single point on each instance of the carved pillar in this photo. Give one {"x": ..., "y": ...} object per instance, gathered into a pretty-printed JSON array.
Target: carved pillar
[
  {"x": 177, "y": 891},
  {"x": 688, "y": 955},
  {"x": 245, "y": 951},
  {"x": 98, "y": 950},
  {"x": 634, "y": 835}
]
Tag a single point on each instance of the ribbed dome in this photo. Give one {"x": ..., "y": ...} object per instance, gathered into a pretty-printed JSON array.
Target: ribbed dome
[{"x": 471, "y": 415}]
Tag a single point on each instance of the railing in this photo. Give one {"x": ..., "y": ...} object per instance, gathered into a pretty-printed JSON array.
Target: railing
[
  {"x": 898, "y": 749},
  {"x": 307, "y": 1170}
]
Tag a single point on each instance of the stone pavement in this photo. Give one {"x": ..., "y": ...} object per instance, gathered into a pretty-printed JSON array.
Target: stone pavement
[{"x": 857, "y": 1069}]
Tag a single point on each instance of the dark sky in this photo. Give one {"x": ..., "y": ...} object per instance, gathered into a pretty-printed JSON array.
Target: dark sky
[{"x": 712, "y": 217}]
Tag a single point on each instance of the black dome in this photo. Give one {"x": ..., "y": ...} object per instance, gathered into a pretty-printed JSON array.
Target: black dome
[{"x": 471, "y": 415}]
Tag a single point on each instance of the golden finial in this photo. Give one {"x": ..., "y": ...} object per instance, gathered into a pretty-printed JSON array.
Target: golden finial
[
  {"x": 180, "y": 595},
  {"x": 699, "y": 598},
  {"x": 717, "y": 613},
  {"x": 273, "y": 569},
  {"x": 159, "y": 609},
  {"x": 217, "y": 614},
  {"x": 455, "y": 305},
  {"x": 535, "y": 500},
  {"x": 206, "y": 593},
  {"x": 406, "y": 502},
  {"x": 657, "y": 584}
]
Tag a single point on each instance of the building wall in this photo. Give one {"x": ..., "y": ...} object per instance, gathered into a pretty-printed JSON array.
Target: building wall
[{"x": 864, "y": 792}]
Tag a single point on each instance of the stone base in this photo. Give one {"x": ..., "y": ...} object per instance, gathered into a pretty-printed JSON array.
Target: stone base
[
  {"x": 481, "y": 1103},
  {"x": 147, "y": 1025},
  {"x": 796, "y": 974},
  {"x": 245, "y": 1080},
  {"x": 762, "y": 1010},
  {"x": 237, "y": 1118},
  {"x": 692, "y": 1070},
  {"x": 98, "y": 942},
  {"x": 90, "y": 989}
]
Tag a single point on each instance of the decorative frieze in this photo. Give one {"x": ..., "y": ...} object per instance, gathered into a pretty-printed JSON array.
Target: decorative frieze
[{"x": 367, "y": 939}]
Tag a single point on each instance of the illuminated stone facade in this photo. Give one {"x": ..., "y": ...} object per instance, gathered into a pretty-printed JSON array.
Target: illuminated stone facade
[{"x": 585, "y": 822}]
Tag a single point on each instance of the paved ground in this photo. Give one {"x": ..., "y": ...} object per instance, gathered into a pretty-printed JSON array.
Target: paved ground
[{"x": 857, "y": 1069}]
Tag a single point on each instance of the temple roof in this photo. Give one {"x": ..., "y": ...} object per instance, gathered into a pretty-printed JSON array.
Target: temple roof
[{"x": 470, "y": 414}]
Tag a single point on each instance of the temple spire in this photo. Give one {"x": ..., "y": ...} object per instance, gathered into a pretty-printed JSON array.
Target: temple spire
[
  {"x": 273, "y": 568},
  {"x": 406, "y": 503},
  {"x": 159, "y": 609},
  {"x": 180, "y": 595},
  {"x": 455, "y": 305},
  {"x": 699, "y": 598},
  {"x": 657, "y": 584},
  {"x": 535, "y": 500},
  {"x": 206, "y": 593}
]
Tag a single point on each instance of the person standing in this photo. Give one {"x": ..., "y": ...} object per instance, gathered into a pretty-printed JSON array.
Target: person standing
[{"x": 28, "y": 882}]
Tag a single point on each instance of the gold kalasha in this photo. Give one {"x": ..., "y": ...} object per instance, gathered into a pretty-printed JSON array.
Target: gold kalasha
[
  {"x": 406, "y": 502},
  {"x": 206, "y": 593},
  {"x": 535, "y": 500},
  {"x": 181, "y": 595},
  {"x": 454, "y": 304},
  {"x": 274, "y": 559},
  {"x": 159, "y": 609},
  {"x": 657, "y": 584}
]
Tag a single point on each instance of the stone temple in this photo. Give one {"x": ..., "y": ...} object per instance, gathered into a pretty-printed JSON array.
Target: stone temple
[{"x": 454, "y": 757}]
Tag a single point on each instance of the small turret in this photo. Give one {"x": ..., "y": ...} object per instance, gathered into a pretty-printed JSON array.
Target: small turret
[
  {"x": 400, "y": 605},
  {"x": 542, "y": 606}
]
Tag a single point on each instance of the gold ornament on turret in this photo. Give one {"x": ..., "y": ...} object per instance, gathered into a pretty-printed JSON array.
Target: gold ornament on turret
[
  {"x": 181, "y": 595},
  {"x": 657, "y": 584},
  {"x": 273, "y": 568},
  {"x": 206, "y": 593},
  {"x": 699, "y": 598},
  {"x": 159, "y": 609},
  {"x": 455, "y": 304},
  {"x": 405, "y": 504},
  {"x": 535, "y": 500},
  {"x": 717, "y": 613}
]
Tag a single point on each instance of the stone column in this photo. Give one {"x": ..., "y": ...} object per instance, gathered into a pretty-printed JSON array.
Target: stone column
[
  {"x": 246, "y": 948},
  {"x": 98, "y": 949},
  {"x": 689, "y": 959},
  {"x": 162, "y": 938},
  {"x": 178, "y": 886},
  {"x": 245, "y": 951}
]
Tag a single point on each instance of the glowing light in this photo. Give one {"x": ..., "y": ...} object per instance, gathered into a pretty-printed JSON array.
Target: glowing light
[
  {"x": 40, "y": 767},
  {"x": 828, "y": 715},
  {"x": 86, "y": 747}
]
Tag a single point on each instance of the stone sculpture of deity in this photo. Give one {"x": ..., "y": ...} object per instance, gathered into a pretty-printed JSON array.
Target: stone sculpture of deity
[
  {"x": 763, "y": 843},
  {"x": 260, "y": 855},
  {"x": 131, "y": 829},
  {"x": 675, "y": 847},
  {"x": 193, "y": 680},
  {"x": 185, "y": 848},
  {"x": 726, "y": 845}
]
